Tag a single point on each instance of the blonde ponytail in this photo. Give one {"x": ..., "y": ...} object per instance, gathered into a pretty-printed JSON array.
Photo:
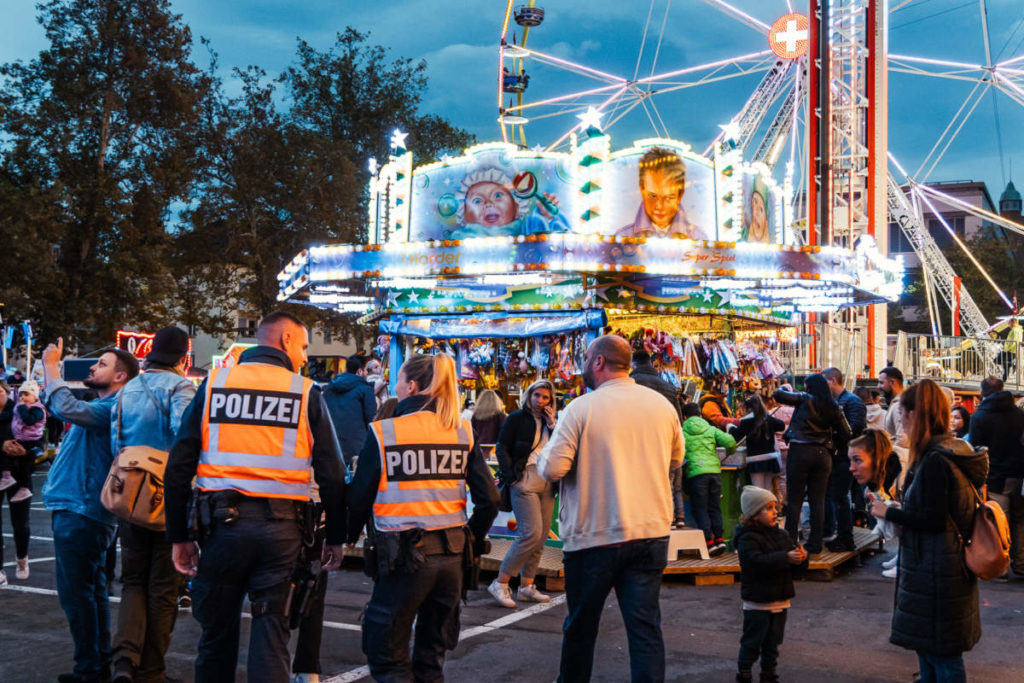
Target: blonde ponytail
[{"x": 443, "y": 391}]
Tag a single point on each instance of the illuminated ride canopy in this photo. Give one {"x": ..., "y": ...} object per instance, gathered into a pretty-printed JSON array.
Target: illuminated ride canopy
[{"x": 651, "y": 228}]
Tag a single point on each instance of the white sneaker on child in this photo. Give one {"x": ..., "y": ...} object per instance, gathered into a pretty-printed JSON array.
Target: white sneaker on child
[
  {"x": 20, "y": 495},
  {"x": 890, "y": 573},
  {"x": 3, "y": 579},
  {"x": 531, "y": 594},
  {"x": 891, "y": 562},
  {"x": 7, "y": 481},
  {"x": 21, "y": 573},
  {"x": 502, "y": 593}
]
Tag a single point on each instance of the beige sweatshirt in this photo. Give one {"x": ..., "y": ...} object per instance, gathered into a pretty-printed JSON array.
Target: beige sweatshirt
[{"x": 612, "y": 450}]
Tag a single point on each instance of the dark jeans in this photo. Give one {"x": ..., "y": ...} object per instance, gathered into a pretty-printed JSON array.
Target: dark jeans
[
  {"x": 941, "y": 669},
  {"x": 430, "y": 596},
  {"x": 634, "y": 570},
  {"x": 762, "y": 634},
  {"x": 807, "y": 469},
  {"x": 839, "y": 513},
  {"x": 254, "y": 556},
  {"x": 706, "y": 504},
  {"x": 79, "y": 544},
  {"x": 149, "y": 601},
  {"x": 19, "y": 524}
]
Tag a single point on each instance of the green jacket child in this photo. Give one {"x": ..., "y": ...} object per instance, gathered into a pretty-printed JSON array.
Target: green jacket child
[{"x": 701, "y": 440}]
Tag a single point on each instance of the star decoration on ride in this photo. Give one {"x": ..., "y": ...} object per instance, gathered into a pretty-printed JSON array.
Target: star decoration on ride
[
  {"x": 731, "y": 134},
  {"x": 412, "y": 298},
  {"x": 590, "y": 119},
  {"x": 602, "y": 292},
  {"x": 392, "y": 298},
  {"x": 708, "y": 295},
  {"x": 624, "y": 293},
  {"x": 398, "y": 139},
  {"x": 539, "y": 149}
]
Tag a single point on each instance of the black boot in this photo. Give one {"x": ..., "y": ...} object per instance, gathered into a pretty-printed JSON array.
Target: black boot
[
  {"x": 769, "y": 676},
  {"x": 744, "y": 677}
]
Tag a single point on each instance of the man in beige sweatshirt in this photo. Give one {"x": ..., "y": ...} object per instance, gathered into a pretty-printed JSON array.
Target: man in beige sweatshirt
[{"x": 612, "y": 450}]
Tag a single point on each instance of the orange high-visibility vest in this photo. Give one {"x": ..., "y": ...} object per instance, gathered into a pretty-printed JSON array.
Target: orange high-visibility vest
[
  {"x": 256, "y": 436},
  {"x": 423, "y": 473}
]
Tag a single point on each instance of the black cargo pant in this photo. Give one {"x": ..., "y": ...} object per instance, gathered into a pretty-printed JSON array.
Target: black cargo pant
[
  {"x": 807, "y": 470},
  {"x": 430, "y": 595},
  {"x": 149, "y": 601},
  {"x": 762, "y": 634},
  {"x": 253, "y": 555}
]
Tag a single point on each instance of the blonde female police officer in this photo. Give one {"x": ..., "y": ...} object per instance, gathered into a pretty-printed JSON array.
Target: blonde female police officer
[
  {"x": 250, "y": 437},
  {"x": 412, "y": 476}
]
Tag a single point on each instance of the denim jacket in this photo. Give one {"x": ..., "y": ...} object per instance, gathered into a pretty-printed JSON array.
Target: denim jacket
[
  {"x": 143, "y": 423},
  {"x": 83, "y": 461}
]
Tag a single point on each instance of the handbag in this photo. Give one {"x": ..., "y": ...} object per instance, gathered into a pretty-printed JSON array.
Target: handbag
[
  {"x": 134, "y": 489},
  {"x": 505, "y": 503},
  {"x": 987, "y": 551}
]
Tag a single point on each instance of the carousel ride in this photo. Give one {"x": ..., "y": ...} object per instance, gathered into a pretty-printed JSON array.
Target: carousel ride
[{"x": 511, "y": 257}]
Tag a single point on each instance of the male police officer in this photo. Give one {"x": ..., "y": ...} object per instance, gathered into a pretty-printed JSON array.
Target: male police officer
[{"x": 249, "y": 437}]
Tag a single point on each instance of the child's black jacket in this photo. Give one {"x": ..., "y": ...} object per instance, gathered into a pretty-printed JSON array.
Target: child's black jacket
[{"x": 765, "y": 572}]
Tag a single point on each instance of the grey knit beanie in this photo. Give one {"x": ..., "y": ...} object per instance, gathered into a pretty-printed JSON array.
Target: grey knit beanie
[{"x": 753, "y": 499}]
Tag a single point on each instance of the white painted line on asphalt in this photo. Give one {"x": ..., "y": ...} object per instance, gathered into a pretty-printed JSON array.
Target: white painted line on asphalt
[
  {"x": 33, "y": 560},
  {"x": 32, "y": 538},
  {"x": 42, "y": 591},
  {"x": 364, "y": 671}
]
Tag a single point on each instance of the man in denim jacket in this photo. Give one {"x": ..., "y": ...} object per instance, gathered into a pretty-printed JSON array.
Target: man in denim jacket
[
  {"x": 82, "y": 527},
  {"x": 150, "y": 410}
]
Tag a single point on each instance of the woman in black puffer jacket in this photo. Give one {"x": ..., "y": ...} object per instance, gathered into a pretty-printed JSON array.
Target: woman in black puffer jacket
[
  {"x": 936, "y": 608},
  {"x": 522, "y": 436},
  {"x": 817, "y": 424}
]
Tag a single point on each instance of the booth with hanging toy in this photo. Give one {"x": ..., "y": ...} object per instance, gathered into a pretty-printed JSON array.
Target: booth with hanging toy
[{"x": 513, "y": 260}]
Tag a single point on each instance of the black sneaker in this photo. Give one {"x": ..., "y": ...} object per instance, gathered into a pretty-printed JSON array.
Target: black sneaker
[
  {"x": 769, "y": 676},
  {"x": 744, "y": 677},
  {"x": 841, "y": 545},
  {"x": 124, "y": 672}
]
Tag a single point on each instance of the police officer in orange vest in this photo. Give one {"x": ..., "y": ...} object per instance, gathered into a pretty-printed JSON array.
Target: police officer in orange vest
[
  {"x": 409, "y": 489},
  {"x": 249, "y": 438}
]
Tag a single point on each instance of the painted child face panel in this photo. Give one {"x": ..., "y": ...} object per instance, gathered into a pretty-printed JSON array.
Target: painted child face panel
[
  {"x": 661, "y": 196},
  {"x": 490, "y": 204}
]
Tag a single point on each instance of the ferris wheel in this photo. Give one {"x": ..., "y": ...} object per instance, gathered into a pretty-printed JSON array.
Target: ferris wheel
[{"x": 771, "y": 126}]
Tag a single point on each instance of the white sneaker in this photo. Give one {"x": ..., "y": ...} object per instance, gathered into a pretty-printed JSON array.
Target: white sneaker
[
  {"x": 501, "y": 593},
  {"x": 20, "y": 495},
  {"x": 890, "y": 573},
  {"x": 891, "y": 562},
  {"x": 7, "y": 482},
  {"x": 3, "y": 579},
  {"x": 21, "y": 573},
  {"x": 531, "y": 594}
]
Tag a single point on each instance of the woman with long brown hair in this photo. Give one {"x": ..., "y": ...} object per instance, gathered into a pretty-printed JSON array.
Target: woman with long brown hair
[
  {"x": 412, "y": 475},
  {"x": 520, "y": 441},
  {"x": 936, "y": 607}
]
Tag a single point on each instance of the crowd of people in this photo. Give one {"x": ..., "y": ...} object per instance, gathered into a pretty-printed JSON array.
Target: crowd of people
[{"x": 268, "y": 473}]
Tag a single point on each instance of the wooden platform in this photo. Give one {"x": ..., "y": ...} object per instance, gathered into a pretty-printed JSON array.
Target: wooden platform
[{"x": 725, "y": 568}]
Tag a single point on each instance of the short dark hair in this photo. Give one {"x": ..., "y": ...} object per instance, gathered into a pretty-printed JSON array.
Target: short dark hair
[
  {"x": 892, "y": 373},
  {"x": 834, "y": 374},
  {"x": 276, "y": 317},
  {"x": 353, "y": 364},
  {"x": 991, "y": 385},
  {"x": 125, "y": 362},
  {"x": 641, "y": 357},
  {"x": 691, "y": 410}
]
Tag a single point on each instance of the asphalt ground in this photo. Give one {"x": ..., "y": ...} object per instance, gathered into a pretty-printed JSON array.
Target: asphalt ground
[{"x": 837, "y": 631}]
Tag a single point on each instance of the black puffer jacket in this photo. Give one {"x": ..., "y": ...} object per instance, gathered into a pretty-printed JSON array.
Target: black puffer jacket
[
  {"x": 808, "y": 425},
  {"x": 515, "y": 441},
  {"x": 998, "y": 424},
  {"x": 765, "y": 572},
  {"x": 936, "y": 605}
]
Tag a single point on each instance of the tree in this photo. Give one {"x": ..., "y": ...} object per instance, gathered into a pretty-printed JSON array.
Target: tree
[{"x": 98, "y": 140}]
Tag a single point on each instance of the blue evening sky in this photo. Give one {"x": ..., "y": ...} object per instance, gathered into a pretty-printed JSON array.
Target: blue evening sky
[{"x": 459, "y": 41}]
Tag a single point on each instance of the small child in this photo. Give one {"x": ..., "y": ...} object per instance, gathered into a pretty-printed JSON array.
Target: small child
[
  {"x": 28, "y": 426},
  {"x": 767, "y": 557},
  {"x": 704, "y": 474},
  {"x": 875, "y": 411}
]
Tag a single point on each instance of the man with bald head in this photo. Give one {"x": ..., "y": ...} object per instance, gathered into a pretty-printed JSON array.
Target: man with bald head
[
  {"x": 250, "y": 439},
  {"x": 612, "y": 450}
]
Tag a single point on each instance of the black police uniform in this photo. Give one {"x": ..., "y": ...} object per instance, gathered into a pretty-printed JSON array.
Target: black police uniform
[
  {"x": 419, "y": 574},
  {"x": 249, "y": 544}
]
